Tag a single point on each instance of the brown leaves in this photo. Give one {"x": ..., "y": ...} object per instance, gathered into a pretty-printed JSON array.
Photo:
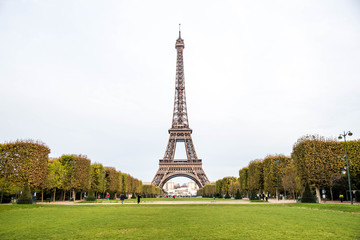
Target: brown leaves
[
  {"x": 24, "y": 161},
  {"x": 317, "y": 159}
]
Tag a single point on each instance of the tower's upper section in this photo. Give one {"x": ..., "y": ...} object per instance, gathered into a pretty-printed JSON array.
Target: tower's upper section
[
  {"x": 180, "y": 118},
  {"x": 180, "y": 42}
]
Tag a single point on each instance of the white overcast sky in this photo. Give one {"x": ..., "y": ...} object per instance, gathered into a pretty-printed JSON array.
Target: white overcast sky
[{"x": 97, "y": 77}]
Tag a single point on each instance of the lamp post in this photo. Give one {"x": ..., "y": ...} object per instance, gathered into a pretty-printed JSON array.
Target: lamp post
[
  {"x": 347, "y": 161},
  {"x": 71, "y": 193},
  {"x": 277, "y": 178}
]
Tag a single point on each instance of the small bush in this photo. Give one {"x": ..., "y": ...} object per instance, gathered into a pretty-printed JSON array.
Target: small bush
[
  {"x": 308, "y": 197},
  {"x": 238, "y": 195},
  {"x": 25, "y": 197},
  {"x": 254, "y": 196},
  {"x": 227, "y": 196},
  {"x": 91, "y": 196}
]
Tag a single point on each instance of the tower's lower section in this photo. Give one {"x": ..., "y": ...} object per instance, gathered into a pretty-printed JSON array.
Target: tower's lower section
[{"x": 171, "y": 169}]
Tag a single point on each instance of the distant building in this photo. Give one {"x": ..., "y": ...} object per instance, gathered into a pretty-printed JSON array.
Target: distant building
[
  {"x": 169, "y": 186},
  {"x": 186, "y": 190},
  {"x": 192, "y": 185}
]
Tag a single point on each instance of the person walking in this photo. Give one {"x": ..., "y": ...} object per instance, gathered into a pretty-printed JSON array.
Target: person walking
[
  {"x": 138, "y": 198},
  {"x": 341, "y": 196},
  {"x": 122, "y": 198},
  {"x": 266, "y": 196},
  {"x": 108, "y": 196}
]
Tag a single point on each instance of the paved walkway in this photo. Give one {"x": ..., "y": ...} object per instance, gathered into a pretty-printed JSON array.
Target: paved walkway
[
  {"x": 157, "y": 202},
  {"x": 271, "y": 201}
]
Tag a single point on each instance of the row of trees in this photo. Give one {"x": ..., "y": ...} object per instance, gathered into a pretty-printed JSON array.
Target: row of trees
[
  {"x": 226, "y": 187},
  {"x": 314, "y": 160},
  {"x": 27, "y": 162}
]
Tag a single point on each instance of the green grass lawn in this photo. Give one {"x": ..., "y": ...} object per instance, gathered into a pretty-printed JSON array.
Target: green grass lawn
[{"x": 202, "y": 221}]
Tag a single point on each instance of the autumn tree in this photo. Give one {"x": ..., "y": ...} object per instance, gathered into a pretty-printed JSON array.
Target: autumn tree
[
  {"x": 139, "y": 187},
  {"x": 112, "y": 180},
  {"x": 56, "y": 176},
  {"x": 130, "y": 184},
  {"x": 353, "y": 148},
  {"x": 219, "y": 188},
  {"x": 229, "y": 185},
  {"x": 256, "y": 178},
  {"x": 234, "y": 186},
  {"x": 119, "y": 189},
  {"x": 81, "y": 174},
  {"x": 24, "y": 161},
  {"x": 124, "y": 184},
  {"x": 273, "y": 170},
  {"x": 317, "y": 160},
  {"x": 97, "y": 178},
  {"x": 244, "y": 180},
  {"x": 207, "y": 191},
  {"x": 78, "y": 173},
  {"x": 148, "y": 191},
  {"x": 289, "y": 179}
]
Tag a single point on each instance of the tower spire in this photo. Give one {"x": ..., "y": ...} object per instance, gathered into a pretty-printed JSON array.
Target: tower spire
[{"x": 180, "y": 118}]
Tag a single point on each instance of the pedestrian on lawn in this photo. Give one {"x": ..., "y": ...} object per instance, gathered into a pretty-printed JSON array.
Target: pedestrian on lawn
[
  {"x": 341, "y": 196},
  {"x": 122, "y": 198}
]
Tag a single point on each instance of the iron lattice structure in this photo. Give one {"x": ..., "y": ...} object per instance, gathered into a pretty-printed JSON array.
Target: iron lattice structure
[{"x": 180, "y": 132}]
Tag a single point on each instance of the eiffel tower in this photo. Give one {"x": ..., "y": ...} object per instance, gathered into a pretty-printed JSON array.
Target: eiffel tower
[{"x": 180, "y": 132}]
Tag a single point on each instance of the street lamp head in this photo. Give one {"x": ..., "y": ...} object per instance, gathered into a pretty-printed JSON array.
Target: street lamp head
[
  {"x": 350, "y": 133},
  {"x": 340, "y": 137}
]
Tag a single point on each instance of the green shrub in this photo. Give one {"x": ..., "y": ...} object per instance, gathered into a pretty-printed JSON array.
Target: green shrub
[
  {"x": 25, "y": 197},
  {"x": 238, "y": 195},
  {"x": 91, "y": 196},
  {"x": 308, "y": 197},
  {"x": 254, "y": 196},
  {"x": 227, "y": 196}
]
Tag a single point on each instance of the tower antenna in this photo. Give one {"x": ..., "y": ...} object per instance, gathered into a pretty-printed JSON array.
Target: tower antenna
[{"x": 179, "y": 30}]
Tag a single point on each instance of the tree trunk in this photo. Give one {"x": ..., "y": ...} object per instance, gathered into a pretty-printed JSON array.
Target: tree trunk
[
  {"x": 302, "y": 191},
  {"x": 74, "y": 195},
  {"x": 42, "y": 195},
  {"x": 331, "y": 193},
  {"x": 81, "y": 193},
  {"x": 317, "y": 188},
  {"x": 64, "y": 195}
]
